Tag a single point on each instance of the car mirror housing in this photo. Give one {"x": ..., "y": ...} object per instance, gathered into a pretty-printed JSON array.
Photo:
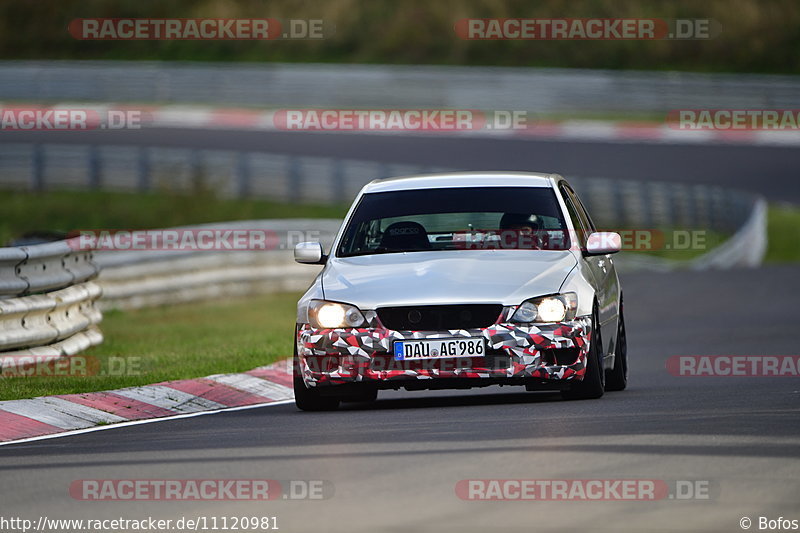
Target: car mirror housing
[
  {"x": 309, "y": 253},
  {"x": 603, "y": 242}
]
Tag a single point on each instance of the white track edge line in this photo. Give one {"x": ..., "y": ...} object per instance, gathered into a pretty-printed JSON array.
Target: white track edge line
[{"x": 145, "y": 421}]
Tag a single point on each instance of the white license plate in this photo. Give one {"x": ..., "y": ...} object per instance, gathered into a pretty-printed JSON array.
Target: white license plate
[{"x": 439, "y": 348}]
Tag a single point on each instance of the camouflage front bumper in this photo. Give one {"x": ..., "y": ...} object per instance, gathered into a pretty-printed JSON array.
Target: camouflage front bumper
[{"x": 341, "y": 356}]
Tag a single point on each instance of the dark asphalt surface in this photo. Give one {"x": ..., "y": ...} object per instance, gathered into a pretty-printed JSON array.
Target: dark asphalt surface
[
  {"x": 395, "y": 465},
  {"x": 768, "y": 170}
]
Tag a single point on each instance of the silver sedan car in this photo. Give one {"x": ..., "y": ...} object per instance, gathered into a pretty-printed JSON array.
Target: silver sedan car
[{"x": 461, "y": 280}]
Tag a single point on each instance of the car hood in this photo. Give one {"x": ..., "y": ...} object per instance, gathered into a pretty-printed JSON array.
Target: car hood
[{"x": 445, "y": 277}]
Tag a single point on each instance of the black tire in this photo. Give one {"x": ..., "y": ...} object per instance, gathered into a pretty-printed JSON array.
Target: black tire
[
  {"x": 367, "y": 395},
  {"x": 617, "y": 377},
  {"x": 593, "y": 384},
  {"x": 310, "y": 399}
]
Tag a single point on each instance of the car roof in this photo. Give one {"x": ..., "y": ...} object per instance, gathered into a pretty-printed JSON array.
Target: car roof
[{"x": 461, "y": 179}]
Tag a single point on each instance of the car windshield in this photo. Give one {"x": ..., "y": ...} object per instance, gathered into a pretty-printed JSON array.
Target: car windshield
[{"x": 467, "y": 218}]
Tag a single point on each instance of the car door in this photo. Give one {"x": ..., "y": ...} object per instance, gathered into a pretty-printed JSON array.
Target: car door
[
  {"x": 600, "y": 267},
  {"x": 603, "y": 267}
]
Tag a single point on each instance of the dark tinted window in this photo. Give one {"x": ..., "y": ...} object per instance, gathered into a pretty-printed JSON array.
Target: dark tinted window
[
  {"x": 578, "y": 217},
  {"x": 455, "y": 219},
  {"x": 585, "y": 218}
]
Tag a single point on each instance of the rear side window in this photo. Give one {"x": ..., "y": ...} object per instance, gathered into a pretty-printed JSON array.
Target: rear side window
[
  {"x": 577, "y": 214},
  {"x": 582, "y": 212}
]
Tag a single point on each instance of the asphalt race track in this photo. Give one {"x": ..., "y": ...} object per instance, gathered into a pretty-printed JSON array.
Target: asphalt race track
[
  {"x": 768, "y": 170},
  {"x": 395, "y": 465}
]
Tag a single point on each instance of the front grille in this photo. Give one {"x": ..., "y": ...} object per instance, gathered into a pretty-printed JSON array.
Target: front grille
[{"x": 439, "y": 317}]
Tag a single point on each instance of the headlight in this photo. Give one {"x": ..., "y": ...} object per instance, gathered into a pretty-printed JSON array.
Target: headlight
[
  {"x": 547, "y": 309},
  {"x": 330, "y": 315}
]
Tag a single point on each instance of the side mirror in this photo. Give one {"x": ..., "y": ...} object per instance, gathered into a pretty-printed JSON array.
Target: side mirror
[
  {"x": 603, "y": 242},
  {"x": 309, "y": 253}
]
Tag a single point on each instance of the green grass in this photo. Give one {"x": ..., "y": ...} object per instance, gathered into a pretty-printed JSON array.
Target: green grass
[
  {"x": 783, "y": 236},
  {"x": 177, "y": 342},
  {"x": 783, "y": 232},
  {"x": 65, "y": 210},
  {"x": 682, "y": 245}
]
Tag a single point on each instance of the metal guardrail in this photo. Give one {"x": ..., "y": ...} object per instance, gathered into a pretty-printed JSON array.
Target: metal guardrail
[
  {"x": 49, "y": 326},
  {"x": 46, "y": 301},
  {"x": 279, "y": 177},
  {"x": 45, "y": 318},
  {"x": 348, "y": 86},
  {"x": 54, "y": 265},
  {"x": 746, "y": 248},
  {"x": 132, "y": 279},
  {"x": 43, "y": 267},
  {"x": 10, "y": 281}
]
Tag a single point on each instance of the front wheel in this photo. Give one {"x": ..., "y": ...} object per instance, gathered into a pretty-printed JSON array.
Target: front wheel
[
  {"x": 310, "y": 399},
  {"x": 592, "y": 385},
  {"x": 617, "y": 377},
  {"x": 366, "y": 395}
]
